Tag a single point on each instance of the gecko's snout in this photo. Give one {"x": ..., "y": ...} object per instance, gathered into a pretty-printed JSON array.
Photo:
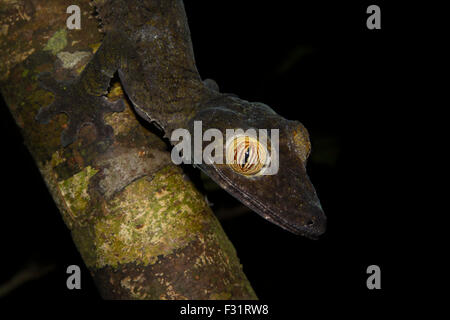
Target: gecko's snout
[
  {"x": 307, "y": 220},
  {"x": 317, "y": 224}
]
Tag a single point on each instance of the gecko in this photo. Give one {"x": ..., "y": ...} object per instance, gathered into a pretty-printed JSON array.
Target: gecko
[{"x": 148, "y": 44}]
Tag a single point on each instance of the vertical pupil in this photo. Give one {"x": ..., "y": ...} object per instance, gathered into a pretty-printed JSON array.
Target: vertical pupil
[{"x": 247, "y": 155}]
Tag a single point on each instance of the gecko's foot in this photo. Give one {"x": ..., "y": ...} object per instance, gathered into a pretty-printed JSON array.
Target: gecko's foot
[{"x": 80, "y": 107}]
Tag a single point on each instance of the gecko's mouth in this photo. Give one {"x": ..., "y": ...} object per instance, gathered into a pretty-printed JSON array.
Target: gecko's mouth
[
  {"x": 312, "y": 228},
  {"x": 310, "y": 222}
]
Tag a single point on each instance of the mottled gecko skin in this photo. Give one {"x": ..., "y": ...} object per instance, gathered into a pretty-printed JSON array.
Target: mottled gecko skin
[{"x": 148, "y": 43}]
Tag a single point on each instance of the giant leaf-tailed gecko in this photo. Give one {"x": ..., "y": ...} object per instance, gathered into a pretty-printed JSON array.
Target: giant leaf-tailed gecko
[{"x": 148, "y": 44}]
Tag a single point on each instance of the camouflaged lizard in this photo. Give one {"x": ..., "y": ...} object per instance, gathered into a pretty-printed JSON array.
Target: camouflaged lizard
[{"x": 148, "y": 44}]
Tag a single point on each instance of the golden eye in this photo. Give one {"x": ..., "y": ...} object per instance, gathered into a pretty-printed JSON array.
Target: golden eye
[{"x": 246, "y": 155}]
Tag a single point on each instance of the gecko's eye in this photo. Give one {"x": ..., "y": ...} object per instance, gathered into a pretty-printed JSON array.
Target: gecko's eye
[{"x": 246, "y": 155}]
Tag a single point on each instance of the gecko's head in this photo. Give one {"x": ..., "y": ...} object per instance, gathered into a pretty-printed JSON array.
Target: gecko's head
[{"x": 264, "y": 169}]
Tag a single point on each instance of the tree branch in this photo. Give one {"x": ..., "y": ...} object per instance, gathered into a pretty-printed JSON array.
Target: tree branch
[{"x": 141, "y": 227}]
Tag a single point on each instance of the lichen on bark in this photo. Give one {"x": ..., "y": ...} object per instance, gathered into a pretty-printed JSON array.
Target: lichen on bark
[{"x": 150, "y": 218}]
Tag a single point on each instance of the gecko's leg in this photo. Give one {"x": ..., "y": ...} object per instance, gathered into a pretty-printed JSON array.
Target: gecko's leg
[{"x": 82, "y": 99}]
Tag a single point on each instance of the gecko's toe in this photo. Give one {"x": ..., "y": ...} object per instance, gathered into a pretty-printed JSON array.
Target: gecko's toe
[
  {"x": 69, "y": 135},
  {"x": 80, "y": 107},
  {"x": 104, "y": 132},
  {"x": 45, "y": 114},
  {"x": 47, "y": 82},
  {"x": 113, "y": 106}
]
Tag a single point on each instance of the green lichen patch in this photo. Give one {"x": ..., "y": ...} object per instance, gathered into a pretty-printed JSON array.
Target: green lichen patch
[
  {"x": 75, "y": 191},
  {"x": 148, "y": 219},
  {"x": 57, "y": 42},
  {"x": 57, "y": 159}
]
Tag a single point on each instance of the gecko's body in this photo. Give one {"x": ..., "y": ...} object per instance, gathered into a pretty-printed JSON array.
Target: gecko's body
[{"x": 148, "y": 43}]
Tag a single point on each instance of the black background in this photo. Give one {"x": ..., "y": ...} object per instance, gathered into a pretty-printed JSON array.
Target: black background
[{"x": 316, "y": 63}]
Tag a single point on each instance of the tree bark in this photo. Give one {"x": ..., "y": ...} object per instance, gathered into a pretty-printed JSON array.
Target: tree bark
[{"x": 142, "y": 228}]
